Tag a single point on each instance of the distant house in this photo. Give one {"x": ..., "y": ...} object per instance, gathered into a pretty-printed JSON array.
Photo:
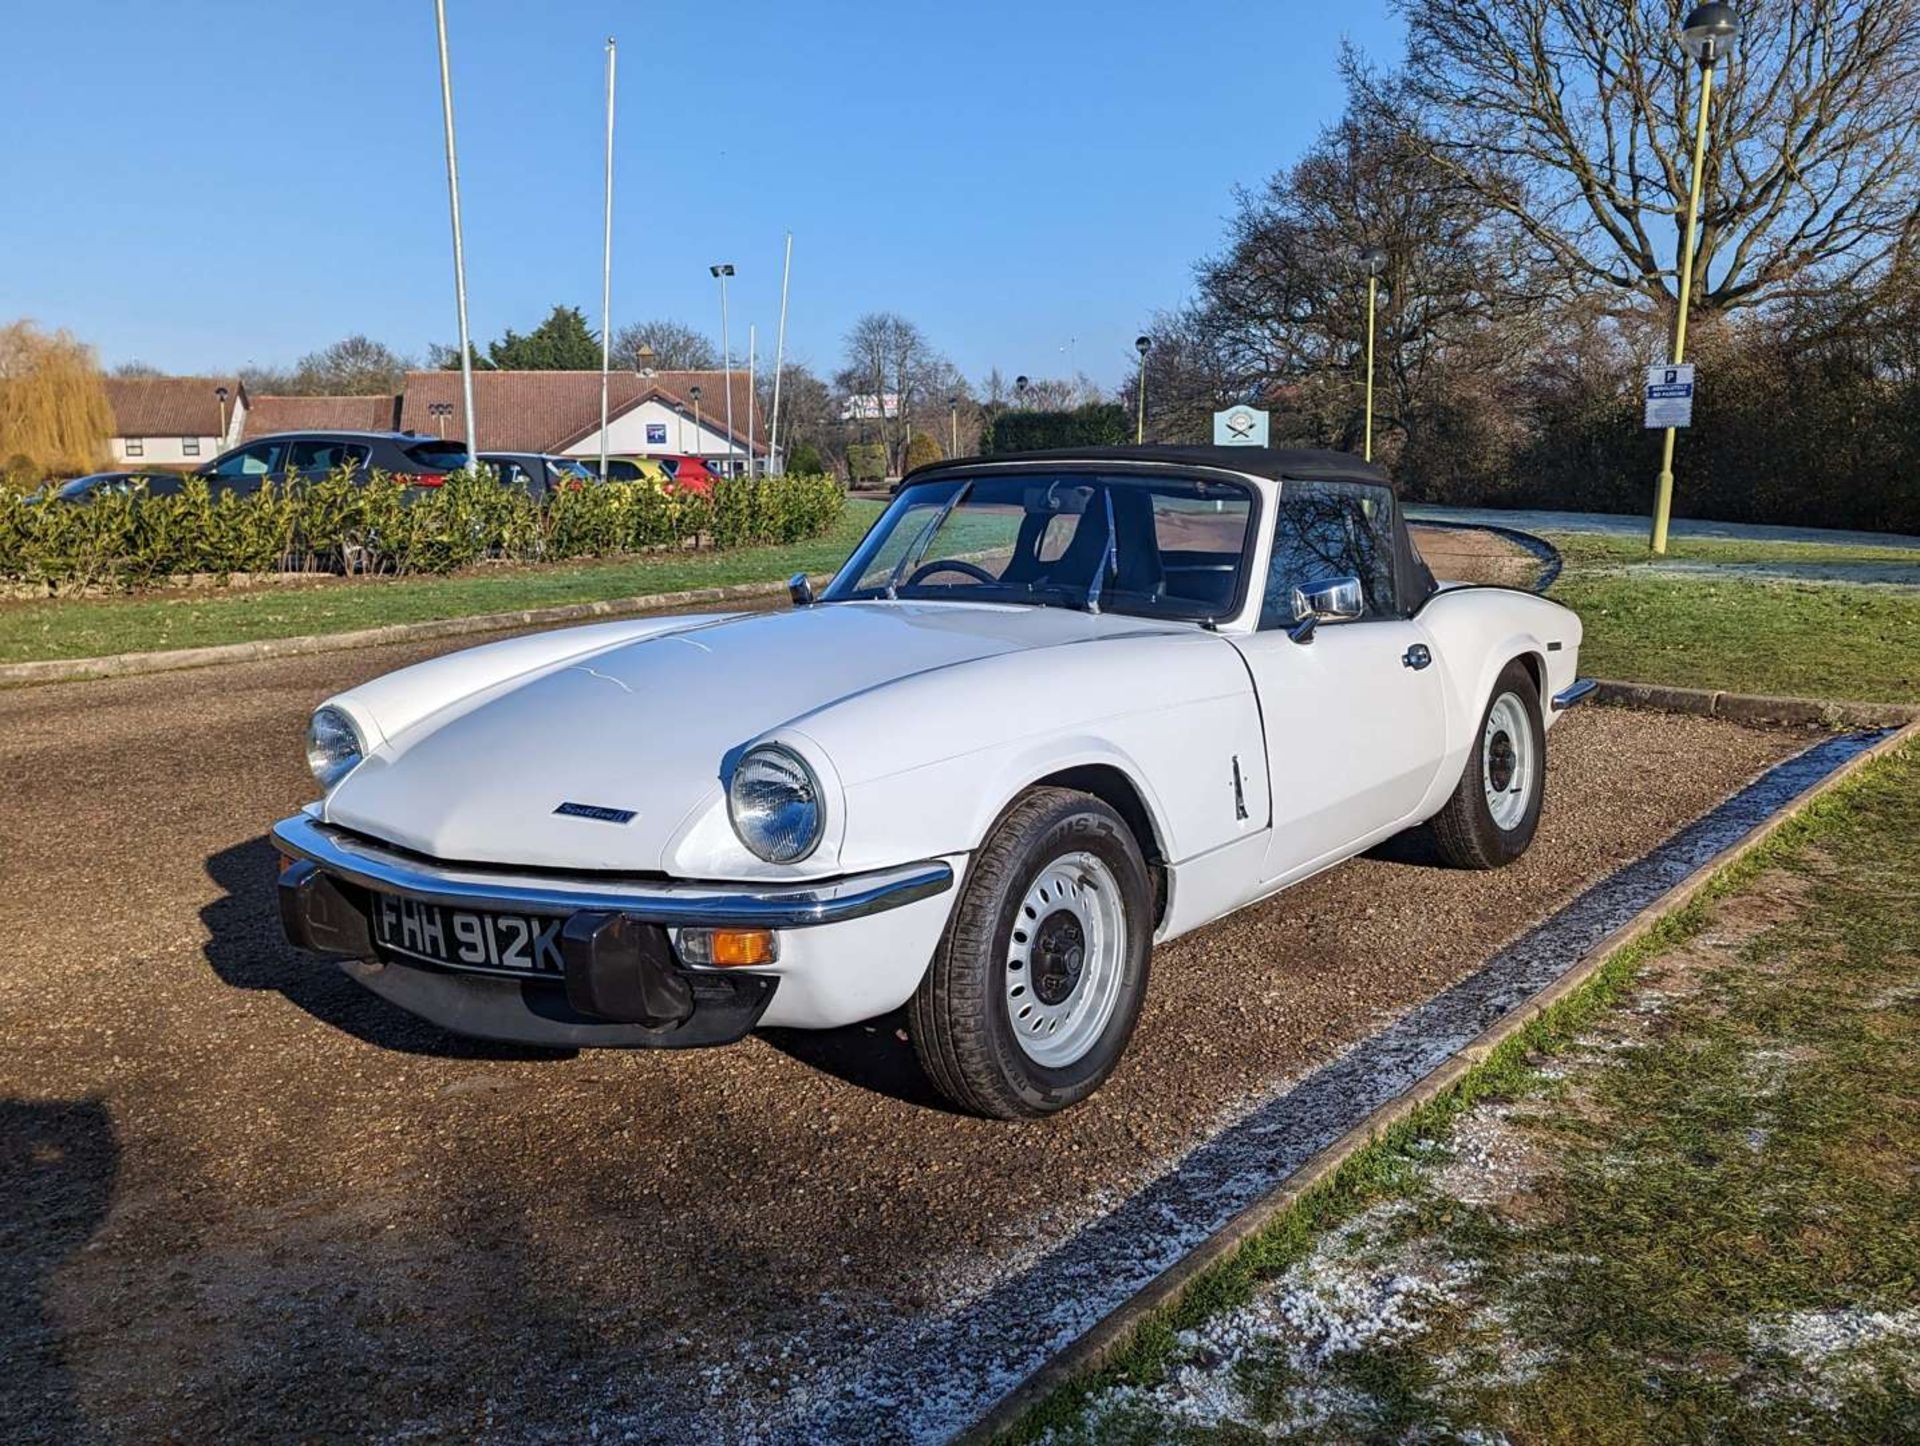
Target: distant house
[
  {"x": 559, "y": 412},
  {"x": 648, "y": 413},
  {"x": 174, "y": 421},
  {"x": 266, "y": 415}
]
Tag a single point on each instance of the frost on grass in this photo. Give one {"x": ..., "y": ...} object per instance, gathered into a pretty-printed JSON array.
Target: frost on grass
[
  {"x": 1840, "y": 1351},
  {"x": 1362, "y": 1289}
]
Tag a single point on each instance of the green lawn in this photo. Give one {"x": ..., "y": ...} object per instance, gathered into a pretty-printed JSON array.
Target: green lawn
[
  {"x": 1591, "y": 548},
  {"x": 94, "y": 627},
  {"x": 1797, "y": 639},
  {"x": 1679, "y": 1207}
]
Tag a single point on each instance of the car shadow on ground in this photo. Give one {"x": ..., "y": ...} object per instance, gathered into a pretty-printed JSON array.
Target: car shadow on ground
[
  {"x": 246, "y": 948},
  {"x": 58, "y": 1162},
  {"x": 1415, "y": 847},
  {"x": 874, "y": 1055}
]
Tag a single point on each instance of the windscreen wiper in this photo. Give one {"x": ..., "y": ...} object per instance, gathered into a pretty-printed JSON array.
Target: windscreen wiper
[{"x": 914, "y": 553}]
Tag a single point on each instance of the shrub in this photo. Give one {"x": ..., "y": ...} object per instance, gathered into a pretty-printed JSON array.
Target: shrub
[
  {"x": 922, "y": 450},
  {"x": 867, "y": 462},
  {"x": 804, "y": 459},
  {"x": 383, "y": 525}
]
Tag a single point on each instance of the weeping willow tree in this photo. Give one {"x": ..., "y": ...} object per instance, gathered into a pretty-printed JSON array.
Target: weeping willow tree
[{"x": 54, "y": 416}]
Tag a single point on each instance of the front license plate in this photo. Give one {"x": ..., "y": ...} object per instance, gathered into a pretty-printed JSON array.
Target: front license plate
[{"x": 468, "y": 939}]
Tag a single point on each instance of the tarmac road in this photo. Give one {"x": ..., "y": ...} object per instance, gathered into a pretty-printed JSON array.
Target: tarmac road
[{"x": 239, "y": 1197}]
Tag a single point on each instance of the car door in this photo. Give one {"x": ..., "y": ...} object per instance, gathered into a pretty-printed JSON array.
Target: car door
[
  {"x": 313, "y": 459},
  {"x": 1355, "y": 717}
]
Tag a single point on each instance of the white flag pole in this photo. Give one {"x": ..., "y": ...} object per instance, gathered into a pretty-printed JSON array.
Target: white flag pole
[
  {"x": 459, "y": 253},
  {"x": 779, "y": 360},
  {"x": 606, "y": 268}
]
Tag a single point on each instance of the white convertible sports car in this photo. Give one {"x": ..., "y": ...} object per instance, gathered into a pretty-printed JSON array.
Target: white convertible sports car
[{"x": 1054, "y": 709}]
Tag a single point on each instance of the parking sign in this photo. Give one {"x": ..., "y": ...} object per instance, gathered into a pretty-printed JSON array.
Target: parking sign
[{"x": 1670, "y": 395}]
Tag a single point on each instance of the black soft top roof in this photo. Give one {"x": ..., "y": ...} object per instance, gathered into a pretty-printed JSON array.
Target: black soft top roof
[
  {"x": 1309, "y": 464},
  {"x": 1413, "y": 579}
]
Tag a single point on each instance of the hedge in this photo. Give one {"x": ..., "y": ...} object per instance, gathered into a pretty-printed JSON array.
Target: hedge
[
  {"x": 1097, "y": 424},
  {"x": 383, "y": 525}
]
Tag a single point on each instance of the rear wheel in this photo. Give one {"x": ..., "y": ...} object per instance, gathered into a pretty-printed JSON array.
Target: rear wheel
[
  {"x": 1039, "y": 980},
  {"x": 1495, "y": 808}
]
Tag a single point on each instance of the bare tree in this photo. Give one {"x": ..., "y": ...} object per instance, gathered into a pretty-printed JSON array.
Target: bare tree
[
  {"x": 1282, "y": 312},
  {"x": 136, "y": 370},
  {"x": 1575, "y": 119},
  {"x": 353, "y": 366},
  {"x": 890, "y": 360},
  {"x": 676, "y": 347}
]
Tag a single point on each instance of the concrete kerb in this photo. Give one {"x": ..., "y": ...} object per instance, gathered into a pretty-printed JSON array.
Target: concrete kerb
[{"x": 1099, "y": 1345}]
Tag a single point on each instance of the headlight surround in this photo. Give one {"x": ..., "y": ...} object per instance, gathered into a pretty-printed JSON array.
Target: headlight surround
[
  {"x": 334, "y": 746},
  {"x": 774, "y": 802}
]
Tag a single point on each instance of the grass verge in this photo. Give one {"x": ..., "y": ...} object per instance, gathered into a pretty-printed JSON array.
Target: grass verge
[
  {"x": 1739, "y": 1170},
  {"x": 1800, "y": 640},
  {"x": 97, "y": 627},
  {"x": 1594, "y": 548}
]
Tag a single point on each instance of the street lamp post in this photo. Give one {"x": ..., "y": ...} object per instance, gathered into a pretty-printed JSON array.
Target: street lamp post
[
  {"x": 720, "y": 273},
  {"x": 440, "y": 411},
  {"x": 1374, "y": 261},
  {"x": 1140, "y": 344},
  {"x": 953, "y": 426},
  {"x": 220, "y": 395},
  {"x": 1708, "y": 34}
]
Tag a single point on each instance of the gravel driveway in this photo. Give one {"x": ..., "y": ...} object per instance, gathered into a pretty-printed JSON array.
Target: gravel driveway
[{"x": 240, "y": 1197}]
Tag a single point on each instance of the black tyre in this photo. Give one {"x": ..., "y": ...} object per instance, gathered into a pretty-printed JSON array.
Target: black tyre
[
  {"x": 1495, "y": 808},
  {"x": 1039, "y": 979}
]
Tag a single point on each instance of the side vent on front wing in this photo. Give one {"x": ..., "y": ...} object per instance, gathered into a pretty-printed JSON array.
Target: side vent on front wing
[{"x": 1239, "y": 791}]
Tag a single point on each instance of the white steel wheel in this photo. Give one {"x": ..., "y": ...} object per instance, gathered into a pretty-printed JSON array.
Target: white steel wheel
[
  {"x": 1029, "y": 1001},
  {"x": 1066, "y": 960},
  {"x": 1508, "y": 761}
]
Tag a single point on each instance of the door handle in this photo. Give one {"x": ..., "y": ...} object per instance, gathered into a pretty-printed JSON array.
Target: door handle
[{"x": 1417, "y": 657}]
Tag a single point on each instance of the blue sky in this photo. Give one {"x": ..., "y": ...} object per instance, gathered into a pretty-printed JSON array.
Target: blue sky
[{"x": 199, "y": 185}]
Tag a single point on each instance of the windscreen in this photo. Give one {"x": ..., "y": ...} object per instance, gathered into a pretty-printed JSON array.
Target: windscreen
[{"x": 1171, "y": 547}]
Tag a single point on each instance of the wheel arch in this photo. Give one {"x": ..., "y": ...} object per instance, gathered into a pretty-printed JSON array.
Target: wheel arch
[{"x": 1116, "y": 788}]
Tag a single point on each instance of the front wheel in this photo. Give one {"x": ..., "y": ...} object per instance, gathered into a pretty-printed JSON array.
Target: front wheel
[
  {"x": 1495, "y": 808},
  {"x": 1039, "y": 980}
]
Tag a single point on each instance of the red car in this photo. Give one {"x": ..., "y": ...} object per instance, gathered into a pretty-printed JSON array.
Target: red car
[{"x": 689, "y": 474}]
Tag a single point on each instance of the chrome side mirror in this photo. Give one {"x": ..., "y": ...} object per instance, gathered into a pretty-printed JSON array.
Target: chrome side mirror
[
  {"x": 799, "y": 590},
  {"x": 1325, "y": 600}
]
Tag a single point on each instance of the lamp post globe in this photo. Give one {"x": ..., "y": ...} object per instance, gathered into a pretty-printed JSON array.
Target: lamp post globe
[
  {"x": 1710, "y": 32},
  {"x": 1371, "y": 259}
]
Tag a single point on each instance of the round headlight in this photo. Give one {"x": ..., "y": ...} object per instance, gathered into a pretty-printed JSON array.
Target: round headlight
[
  {"x": 334, "y": 748},
  {"x": 774, "y": 801}
]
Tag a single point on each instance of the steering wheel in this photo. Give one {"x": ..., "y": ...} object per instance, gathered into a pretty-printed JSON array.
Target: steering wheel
[{"x": 952, "y": 564}]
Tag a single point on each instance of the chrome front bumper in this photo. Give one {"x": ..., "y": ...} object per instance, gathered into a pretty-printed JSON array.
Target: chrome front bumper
[{"x": 736, "y": 905}]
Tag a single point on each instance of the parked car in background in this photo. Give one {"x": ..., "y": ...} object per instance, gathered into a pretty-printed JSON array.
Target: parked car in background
[
  {"x": 690, "y": 474},
  {"x": 669, "y": 469},
  {"x": 1055, "y": 709},
  {"x": 538, "y": 473},
  {"x": 418, "y": 460},
  {"x": 105, "y": 484},
  {"x": 631, "y": 469}
]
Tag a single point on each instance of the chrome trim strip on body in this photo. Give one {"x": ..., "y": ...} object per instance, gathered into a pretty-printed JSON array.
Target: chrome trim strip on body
[
  {"x": 729, "y": 905},
  {"x": 1574, "y": 692}
]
